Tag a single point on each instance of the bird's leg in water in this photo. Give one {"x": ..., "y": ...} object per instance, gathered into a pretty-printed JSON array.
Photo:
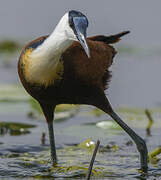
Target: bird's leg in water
[
  {"x": 48, "y": 111},
  {"x": 52, "y": 143},
  {"x": 140, "y": 143}
]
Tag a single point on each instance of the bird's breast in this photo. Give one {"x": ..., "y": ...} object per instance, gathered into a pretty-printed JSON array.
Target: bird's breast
[{"x": 40, "y": 70}]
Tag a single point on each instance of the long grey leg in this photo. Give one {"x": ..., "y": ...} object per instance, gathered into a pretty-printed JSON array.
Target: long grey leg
[
  {"x": 48, "y": 111},
  {"x": 140, "y": 143},
  {"x": 104, "y": 104},
  {"x": 52, "y": 143}
]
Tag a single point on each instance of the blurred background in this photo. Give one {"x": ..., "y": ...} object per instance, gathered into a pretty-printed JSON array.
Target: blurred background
[
  {"x": 135, "y": 86},
  {"x": 136, "y": 69}
]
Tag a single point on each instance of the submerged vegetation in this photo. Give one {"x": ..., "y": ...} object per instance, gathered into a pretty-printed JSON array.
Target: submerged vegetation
[{"x": 74, "y": 162}]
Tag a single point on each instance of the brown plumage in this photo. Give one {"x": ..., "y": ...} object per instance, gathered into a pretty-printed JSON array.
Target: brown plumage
[
  {"x": 81, "y": 75},
  {"x": 76, "y": 80}
]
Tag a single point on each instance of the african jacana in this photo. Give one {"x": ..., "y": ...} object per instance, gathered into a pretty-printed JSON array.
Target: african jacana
[{"x": 68, "y": 68}]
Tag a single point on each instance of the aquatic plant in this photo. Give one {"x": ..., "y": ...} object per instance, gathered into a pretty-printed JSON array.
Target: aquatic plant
[
  {"x": 14, "y": 129},
  {"x": 8, "y": 46}
]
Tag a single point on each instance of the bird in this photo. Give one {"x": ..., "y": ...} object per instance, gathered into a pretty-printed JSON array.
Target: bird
[{"x": 67, "y": 67}]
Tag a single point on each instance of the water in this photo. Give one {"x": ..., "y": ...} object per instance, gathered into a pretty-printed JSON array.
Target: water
[
  {"x": 135, "y": 84},
  {"x": 135, "y": 77},
  {"x": 24, "y": 156}
]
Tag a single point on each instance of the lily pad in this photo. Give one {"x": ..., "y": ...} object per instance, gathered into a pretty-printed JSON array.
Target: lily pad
[
  {"x": 87, "y": 144},
  {"x": 14, "y": 129},
  {"x": 108, "y": 125}
]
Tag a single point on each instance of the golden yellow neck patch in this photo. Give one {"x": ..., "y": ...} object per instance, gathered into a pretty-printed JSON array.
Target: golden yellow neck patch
[{"x": 42, "y": 71}]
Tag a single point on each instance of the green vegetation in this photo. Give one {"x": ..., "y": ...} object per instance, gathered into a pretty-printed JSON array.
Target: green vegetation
[
  {"x": 87, "y": 144},
  {"x": 152, "y": 156},
  {"x": 60, "y": 108},
  {"x": 107, "y": 124},
  {"x": 14, "y": 129},
  {"x": 12, "y": 94},
  {"x": 62, "y": 112},
  {"x": 73, "y": 161},
  {"x": 116, "y": 157},
  {"x": 96, "y": 112},
  {"x": 8, "y": 46},
  {"x": 35, "y": 105}
]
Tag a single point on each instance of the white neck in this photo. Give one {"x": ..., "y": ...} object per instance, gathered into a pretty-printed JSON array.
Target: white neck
[
  {"x": 43, "y": 62},
  {"x": 57, "y": 42},
  {"x": 53, "y": 46}
]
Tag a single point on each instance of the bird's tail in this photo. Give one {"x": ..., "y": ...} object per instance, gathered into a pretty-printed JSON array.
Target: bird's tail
[
  {"x": 115, "y": 38},
  {"x": 110, "y": 39}
]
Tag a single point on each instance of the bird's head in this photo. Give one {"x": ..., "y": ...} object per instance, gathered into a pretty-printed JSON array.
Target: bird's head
[{"x": 74, "y": 24}]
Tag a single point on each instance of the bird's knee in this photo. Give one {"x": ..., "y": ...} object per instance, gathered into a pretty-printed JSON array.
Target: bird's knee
[{"x": 142, "y": 145}]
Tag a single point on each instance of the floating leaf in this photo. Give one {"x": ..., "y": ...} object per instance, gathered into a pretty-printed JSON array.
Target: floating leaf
[
  {"x": 108, "y": 125},
  {"x": 14, "y": 128},
  {"x": 87, "y": 144}
]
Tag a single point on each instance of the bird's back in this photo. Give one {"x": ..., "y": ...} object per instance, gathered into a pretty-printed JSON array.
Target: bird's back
[{"x": 93, "y": 70}]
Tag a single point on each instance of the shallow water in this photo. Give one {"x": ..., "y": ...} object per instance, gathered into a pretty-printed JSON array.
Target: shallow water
[
  {"x": 135, "y": 86},
  {"x": 24, "y": 156}
]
